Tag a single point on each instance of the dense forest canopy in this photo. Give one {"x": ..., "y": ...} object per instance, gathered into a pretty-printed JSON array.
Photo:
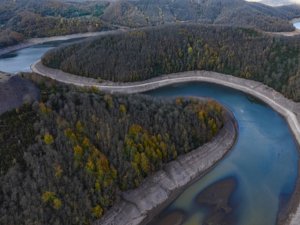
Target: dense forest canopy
[
  {"x": 146, "y": 53},
  {"x": 226, "y": 12},
  {"x": 22, "y": 19},
  {"x": 65, "y": 159}
]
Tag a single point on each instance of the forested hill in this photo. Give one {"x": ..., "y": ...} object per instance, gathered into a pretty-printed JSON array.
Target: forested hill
[
  {"x": 65, "y": 160},
  {"x": 227, "y": 12},
  {"x": 23, "y": 19},
  {"x": 146, "y": 53},
  {"x": 20, "y": 19}
]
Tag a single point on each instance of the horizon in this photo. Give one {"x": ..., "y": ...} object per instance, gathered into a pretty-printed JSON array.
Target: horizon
[{"x": 276, "y": 2}]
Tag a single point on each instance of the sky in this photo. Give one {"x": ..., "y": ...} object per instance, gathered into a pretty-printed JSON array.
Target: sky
[{"x": 276, "y": 2}]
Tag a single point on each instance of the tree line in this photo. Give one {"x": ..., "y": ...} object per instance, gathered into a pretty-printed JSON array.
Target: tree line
[
  {"x": 146, "y": 53},
  {"x": 223, "y": 12}
]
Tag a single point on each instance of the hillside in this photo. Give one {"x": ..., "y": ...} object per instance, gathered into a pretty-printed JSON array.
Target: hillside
[
  {"x": 65, "y": 159},
  {"x": 147, "y": 53},
  {"x": 227, "y": 12},
  {"x": 20, "y": 20}
]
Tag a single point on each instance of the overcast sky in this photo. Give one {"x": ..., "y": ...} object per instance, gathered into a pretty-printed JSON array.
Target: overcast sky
[{"x": 276, "y": 2}]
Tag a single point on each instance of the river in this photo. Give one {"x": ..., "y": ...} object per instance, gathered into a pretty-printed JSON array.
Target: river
[
  {"x": 21, "y": 60},
  {"x": 264, "y": 161},
  {"x": 297, "y": 25}
]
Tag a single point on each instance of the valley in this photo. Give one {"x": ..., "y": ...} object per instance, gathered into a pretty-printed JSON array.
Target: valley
[{"x": 183, "y": 118}]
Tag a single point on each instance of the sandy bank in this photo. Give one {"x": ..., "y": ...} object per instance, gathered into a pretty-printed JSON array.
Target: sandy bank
[{"x": 287, "y": 108}]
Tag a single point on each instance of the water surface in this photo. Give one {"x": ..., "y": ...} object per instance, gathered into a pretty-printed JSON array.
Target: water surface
[
  {"x": 297, "y": 25},
  {"x": 21, "y": 60},
  {"x": 263, "y": 161}
]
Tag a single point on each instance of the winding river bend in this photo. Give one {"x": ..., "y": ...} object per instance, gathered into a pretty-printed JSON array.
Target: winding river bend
[{"x": 263, "y": 163}]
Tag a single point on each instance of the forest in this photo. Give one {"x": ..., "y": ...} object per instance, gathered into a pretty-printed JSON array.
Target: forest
[
  {"x": 145, "y": 53},
  {"x": 20, "y": 20},
  {"x": 143, "y": 13},
  {"x": 66, "y": 158}
]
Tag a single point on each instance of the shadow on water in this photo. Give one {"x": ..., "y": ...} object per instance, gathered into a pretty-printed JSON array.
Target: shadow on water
[
  {"x": 8, "y": 55},
  {"x": 21, "y": 60},
  {"x": 215, "y": 201}
]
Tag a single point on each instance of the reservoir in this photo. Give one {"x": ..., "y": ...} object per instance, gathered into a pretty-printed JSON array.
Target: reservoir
[
  {"x": 21, "y": 60},
  {"x": 297, "y": 24},
  {"x": 263, "y": 163}
]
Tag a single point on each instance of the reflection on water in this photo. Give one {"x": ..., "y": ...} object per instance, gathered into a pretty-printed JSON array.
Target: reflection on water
[
  {"x": 263, "y": 161},
  {"x": 297, "y": 25},
  {"x": 21, "y": 60}
]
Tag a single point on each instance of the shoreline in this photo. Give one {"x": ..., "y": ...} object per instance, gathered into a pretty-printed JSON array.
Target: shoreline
[
  {"x": 15, "y": 91},
  {"x": 35, "y": 41},
  {"x": 140, "y": 205},
  {"x": 296, "y": 32},
  {"x": 287, "y": 108}
]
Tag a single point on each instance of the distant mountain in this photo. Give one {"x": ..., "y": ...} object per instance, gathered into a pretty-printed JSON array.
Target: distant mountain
[
  {"x": 277, "y": 2},
  {"x": 230, "y": 12}
]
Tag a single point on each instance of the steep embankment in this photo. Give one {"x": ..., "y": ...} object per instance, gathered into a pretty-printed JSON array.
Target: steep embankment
[{"x": 246, "y": 53}]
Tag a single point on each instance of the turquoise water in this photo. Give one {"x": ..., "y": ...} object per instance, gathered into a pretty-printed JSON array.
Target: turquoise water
[{"x": 263, "y": 161}]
